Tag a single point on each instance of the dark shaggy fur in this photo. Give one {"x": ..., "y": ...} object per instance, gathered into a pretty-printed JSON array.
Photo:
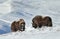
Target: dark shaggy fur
[
  {"x": 39, "y": 21},
  {"x": 47, "y": 21},
  {"x": 18, "y": 25}
]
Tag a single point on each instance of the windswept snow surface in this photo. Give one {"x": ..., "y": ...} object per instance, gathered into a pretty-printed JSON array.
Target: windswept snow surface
[
  {"x": 32, "y": 34},
  {"x": 27, "y": 9}
]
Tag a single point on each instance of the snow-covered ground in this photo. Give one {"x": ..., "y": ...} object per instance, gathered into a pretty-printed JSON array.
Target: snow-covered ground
[{"x": 11, "y": 10}]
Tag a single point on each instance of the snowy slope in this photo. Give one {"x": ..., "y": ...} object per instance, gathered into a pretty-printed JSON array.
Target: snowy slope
[
  {"x": 5, "y": 6},
  {"x": 27, "y": 10},
  {"x": 39, "y": 7},
  {"x": 4, "y": 27},
  {"x": 15, "y": 15},
  {"x": 32, "y": 34}
]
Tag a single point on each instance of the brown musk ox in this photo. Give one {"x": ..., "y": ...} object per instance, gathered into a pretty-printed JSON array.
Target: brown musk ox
[
  {"x": 39, "y": 21},
  {"x": 18, "y": 25}
]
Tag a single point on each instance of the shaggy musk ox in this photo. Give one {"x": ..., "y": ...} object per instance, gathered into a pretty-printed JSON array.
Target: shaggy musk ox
[
  {"x": 39, "y": 21},
  {"x": 18, "y": 25}
]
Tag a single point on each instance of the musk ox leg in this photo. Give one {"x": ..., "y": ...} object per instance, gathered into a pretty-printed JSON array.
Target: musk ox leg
[{"x": 40, "y": 26}]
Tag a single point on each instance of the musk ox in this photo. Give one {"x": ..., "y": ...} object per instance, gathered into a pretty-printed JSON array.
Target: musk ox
[
  {"x": 39, "y": 21},
  {"x": 18, "y": 25}
]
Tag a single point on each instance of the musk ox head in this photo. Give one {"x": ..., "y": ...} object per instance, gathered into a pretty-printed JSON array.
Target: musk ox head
[
  {"x": 37, "y": 21},
  {"x": 21, "y": 25}
]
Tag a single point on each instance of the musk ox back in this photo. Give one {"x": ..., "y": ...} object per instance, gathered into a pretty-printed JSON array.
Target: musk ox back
[
  {"x": 18, "y": 25},
  {"x": 39, "y": 21}
]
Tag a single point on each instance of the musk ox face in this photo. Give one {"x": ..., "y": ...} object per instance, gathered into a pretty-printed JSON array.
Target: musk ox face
[
  {"x": 21, "y": 25},
  {"x": 39, "y": 21},
  {"x": 18, "y": 25}
]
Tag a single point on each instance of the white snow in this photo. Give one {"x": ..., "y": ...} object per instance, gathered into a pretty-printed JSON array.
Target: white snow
[
  {"x": 5, "y": 6},
  {"x": 31, "y": 33},
  {"x": 27, "y": 9}
]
